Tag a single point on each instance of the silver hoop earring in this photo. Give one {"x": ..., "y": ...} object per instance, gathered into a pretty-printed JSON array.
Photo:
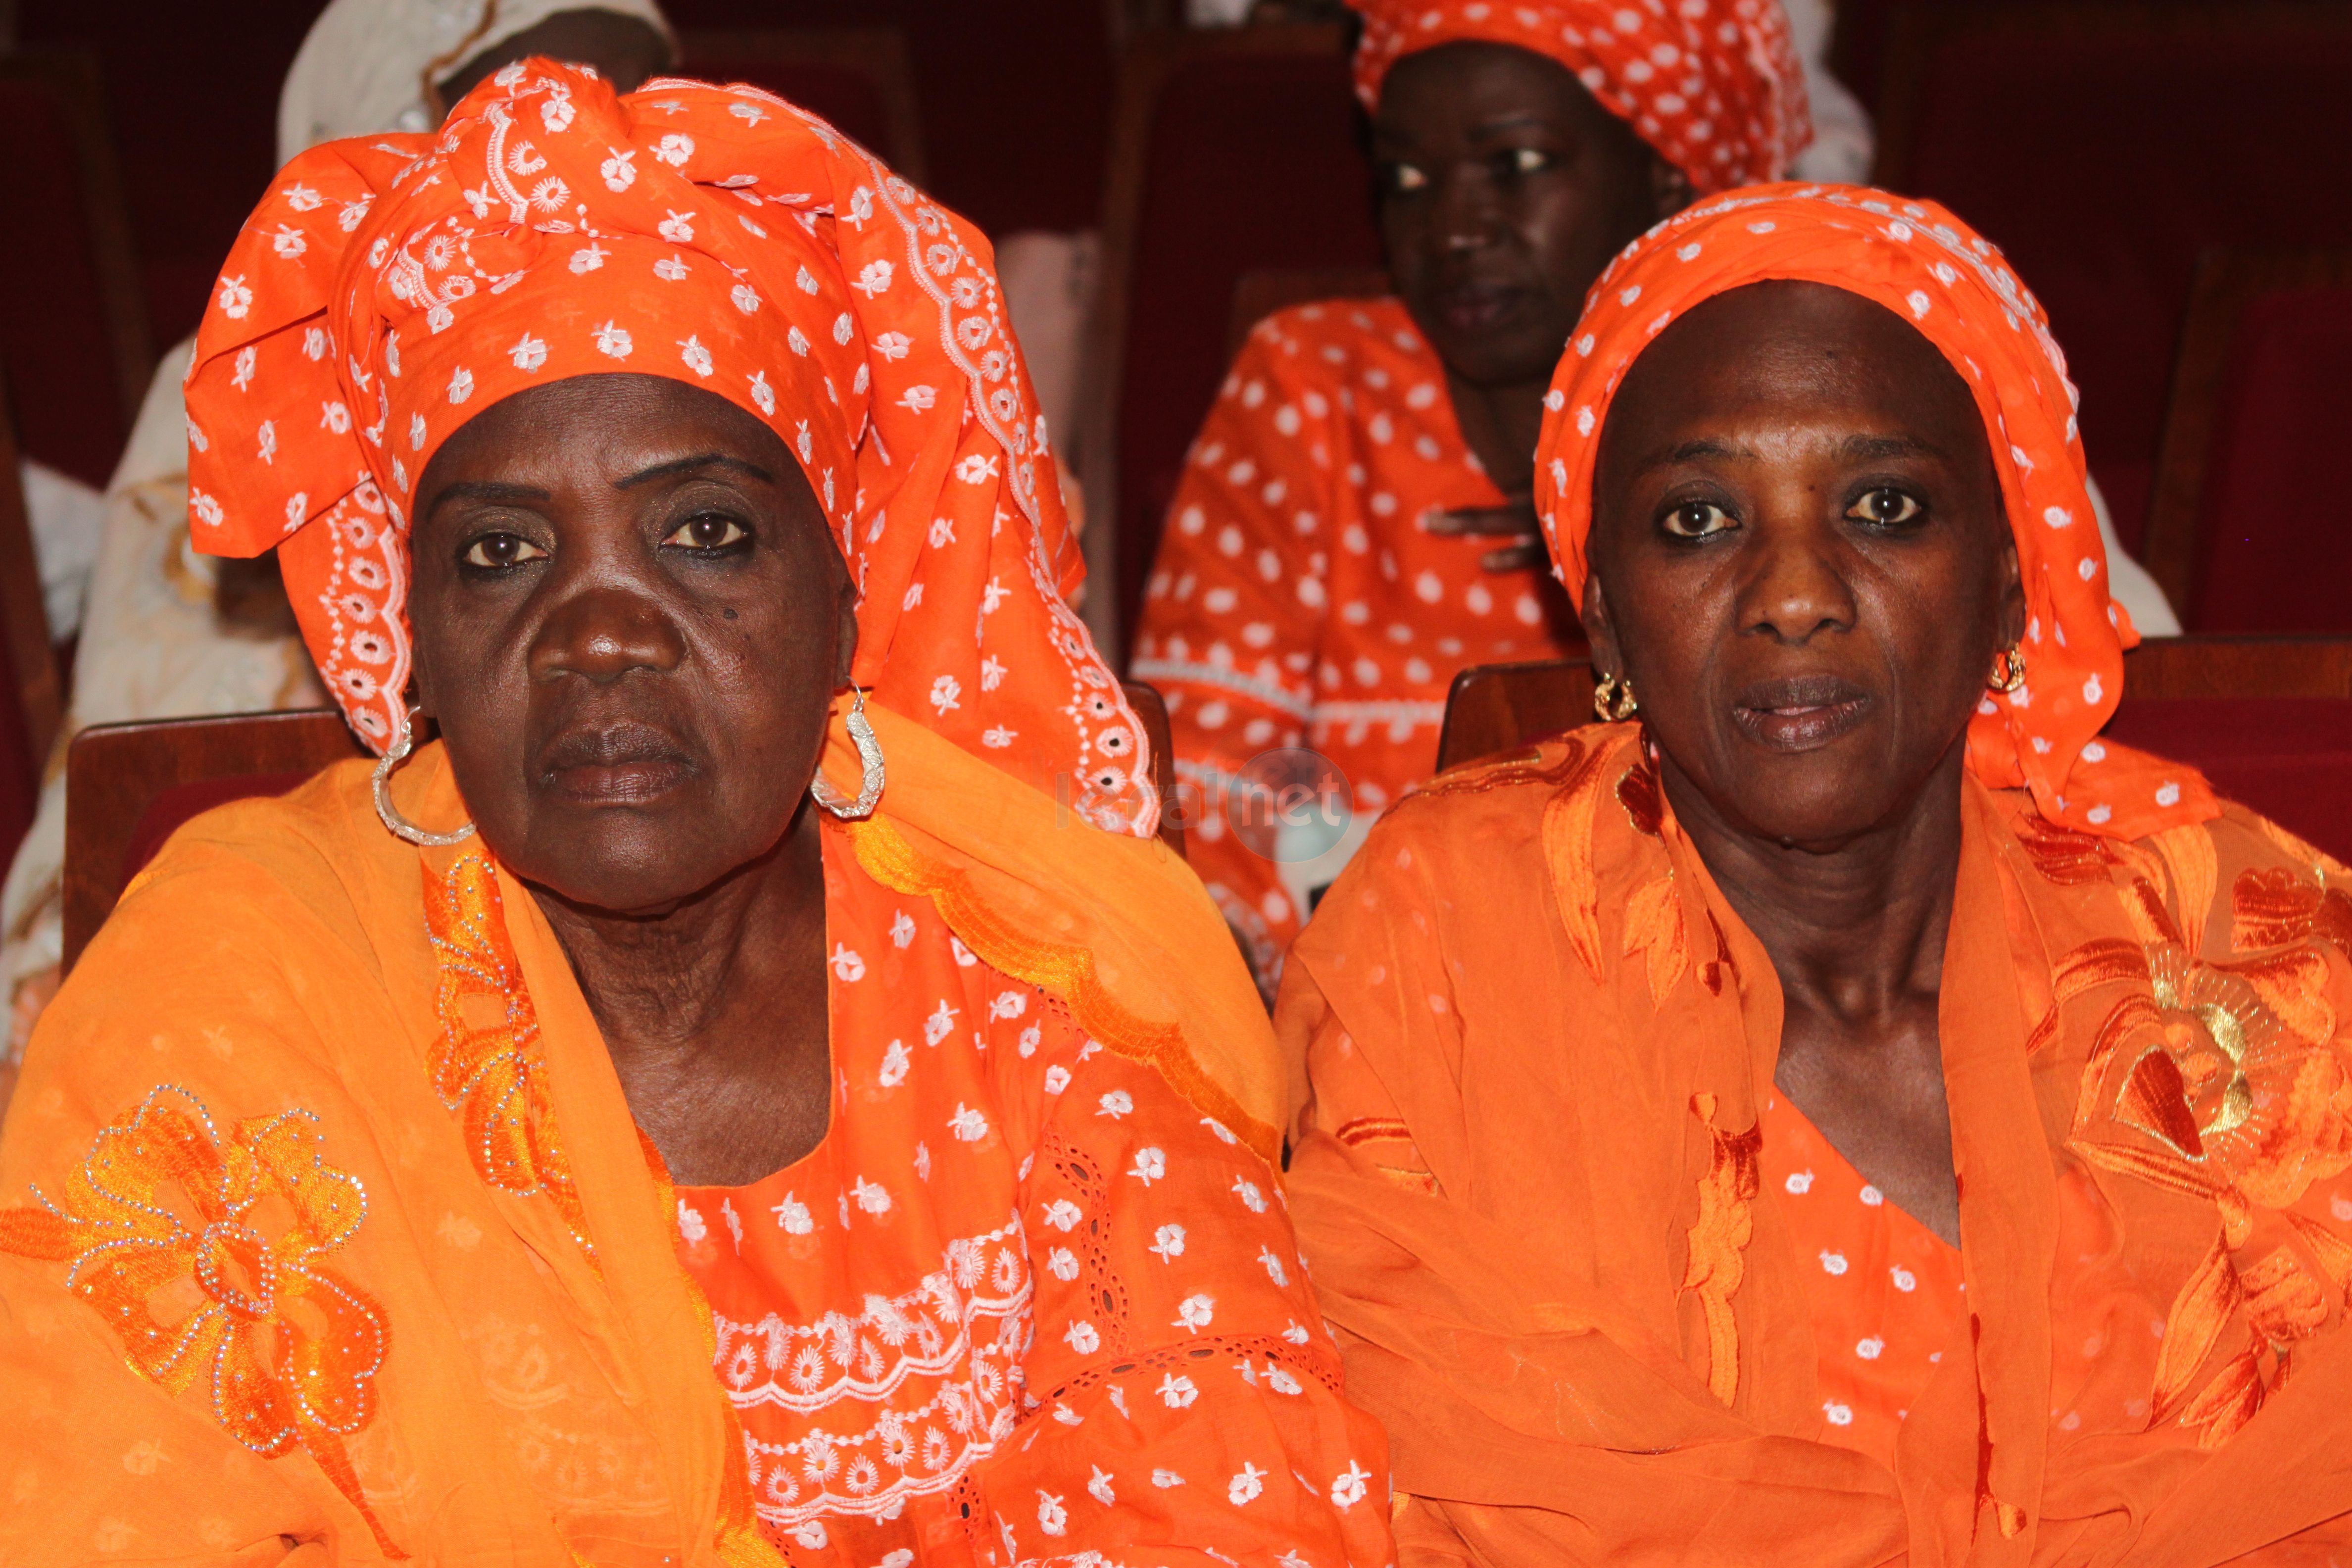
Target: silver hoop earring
[
  {"x": 389, "y": 813},
  {"x": 869, "y": 758}
]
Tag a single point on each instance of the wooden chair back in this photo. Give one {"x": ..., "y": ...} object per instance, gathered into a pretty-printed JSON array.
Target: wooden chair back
[
  {"x": 1263, "y": 290},
  {"x": 129, "y": 786},
  {"x": 1231, "y": 150},
  {"x": 859, "y": 79},
  {"x": 73, "y": 317},
  {"x": 2250, "y": 530},
  {"x": 2105, "y": 146}
]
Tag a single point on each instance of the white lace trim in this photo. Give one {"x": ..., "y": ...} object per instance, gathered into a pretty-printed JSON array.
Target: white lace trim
[{"x": 943, "y": 1361}]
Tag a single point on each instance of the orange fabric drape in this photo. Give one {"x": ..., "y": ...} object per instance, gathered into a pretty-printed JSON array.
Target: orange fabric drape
[
  {"x": 333, "y": 1153},
  {"x": 1530, "y": 1041},
  {"x": 1297, "y": 600}
]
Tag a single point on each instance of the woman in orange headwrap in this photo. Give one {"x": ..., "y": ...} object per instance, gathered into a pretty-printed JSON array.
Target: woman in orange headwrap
[
  {"x": 403, "y": 1155},
  {"x": 1850, "y": 1114},
  {"x": 1354, "y": 526}
]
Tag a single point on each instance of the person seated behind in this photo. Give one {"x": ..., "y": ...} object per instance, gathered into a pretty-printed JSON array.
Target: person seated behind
[
  {"x": 1848, "y": 1113},
  {"x": 1352, "y": 526},
  {"x": 576, "y": 1145},
  {"x": 171, "y": 633}
]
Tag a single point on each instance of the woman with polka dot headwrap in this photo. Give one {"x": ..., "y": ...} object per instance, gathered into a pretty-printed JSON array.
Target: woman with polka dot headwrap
[
  {"x": 1352, "y": 526},
  {"x": 751, "y": 1089},
  {"x": 1838, "y": 1109}
]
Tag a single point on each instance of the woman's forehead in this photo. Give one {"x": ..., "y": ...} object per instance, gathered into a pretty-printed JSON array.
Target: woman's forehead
[{"x": 1786, "y": 349}]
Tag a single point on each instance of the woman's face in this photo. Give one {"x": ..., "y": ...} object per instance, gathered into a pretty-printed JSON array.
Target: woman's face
[
  {"x": 630, "y": 621},
  {"x": 1505, "y": 189},
  {"x": 1801, "y": 558}
]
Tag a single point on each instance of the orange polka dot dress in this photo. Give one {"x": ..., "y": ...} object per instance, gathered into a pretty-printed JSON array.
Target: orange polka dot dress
[
  {"x": 1889, "y": 1293},
  {"x": 1021, "y": 1281},
  {"x": 1298, "y": 600}
]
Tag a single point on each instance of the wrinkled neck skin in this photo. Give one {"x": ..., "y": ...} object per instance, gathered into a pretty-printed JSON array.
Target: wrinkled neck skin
[
  {"x": 1501, "y": 426},
  {"x": 714, "y": 1010},
  {"x": 1855, "y": 929}
]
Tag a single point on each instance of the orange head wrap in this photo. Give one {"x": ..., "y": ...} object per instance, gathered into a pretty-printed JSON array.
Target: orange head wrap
[
  {"x": 1713, "y": 85},
  {"x": 389, "y": 288},
  {"x": 1925, "y": 265}
]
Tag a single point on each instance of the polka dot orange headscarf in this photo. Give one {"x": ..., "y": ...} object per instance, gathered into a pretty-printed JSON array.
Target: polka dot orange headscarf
[
  {"x": 1713, "y": 85},
  {"x": 388, "y": 289},
  {"x": 1924, "y": 264}
]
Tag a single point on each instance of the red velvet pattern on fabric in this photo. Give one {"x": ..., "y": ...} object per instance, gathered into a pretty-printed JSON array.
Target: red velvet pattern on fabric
[
  {"x": 2289, "y": 758},
  {"x": 1268, "y": 145},
  {"x": 54, "y": 341},
  {"x": 2274, "y": 548},
  {"x": 2103, "y": 156}
]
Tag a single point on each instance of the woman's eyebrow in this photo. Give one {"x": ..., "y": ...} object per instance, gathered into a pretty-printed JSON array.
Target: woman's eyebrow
[
  {"x": 490, "y": 491},
  {"x": 1888, "y": 446},
  {"x": 688, "y": 465},
  {"x": 1691, "y": 451}
]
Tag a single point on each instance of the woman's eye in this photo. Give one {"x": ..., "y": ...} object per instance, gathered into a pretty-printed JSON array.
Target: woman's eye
[
  {"x": 495, "y": 551},
  {"x": 1405, "y": 177},
  {"x": 708, "y": 531},
  {"x": 1696, "y": 519},
  {"x": 1884, "y": 508},
  {"x": 1529, "y": 161}
]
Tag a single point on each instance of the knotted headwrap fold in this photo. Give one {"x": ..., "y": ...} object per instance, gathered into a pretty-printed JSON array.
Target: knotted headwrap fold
[
  {"x": 1713, "y": 85},
  {"x": 389, "y": 288},
  {"x": 1922, "y": 263}
]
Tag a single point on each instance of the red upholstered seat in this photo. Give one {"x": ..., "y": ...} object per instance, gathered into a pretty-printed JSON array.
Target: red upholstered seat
[
  {"x": 1235, "y": 155},
  {"x": 2103, "y": 144},
  {"x": 2289, "y": 758},
  {"x": 2274, "y": 524}
]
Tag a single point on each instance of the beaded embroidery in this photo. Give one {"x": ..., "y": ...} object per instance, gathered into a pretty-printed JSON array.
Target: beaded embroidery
[
  {"x": 491, "y": 1069},
  {"x": 163, "y": 1199}
]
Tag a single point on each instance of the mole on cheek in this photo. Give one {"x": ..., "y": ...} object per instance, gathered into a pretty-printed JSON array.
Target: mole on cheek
[{"x": 729, "y": 613}]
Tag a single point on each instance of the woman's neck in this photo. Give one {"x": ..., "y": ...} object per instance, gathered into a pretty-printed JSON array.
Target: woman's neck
[
  {"x": 715, "y": 1013},
  {"x": 1500, "y": 424},
  {"x": 1856, "y": 931}
]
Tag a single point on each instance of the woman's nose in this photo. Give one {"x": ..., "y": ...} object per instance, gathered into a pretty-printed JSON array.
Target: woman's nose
[
  {"x": 604, "y": 632},
  {"x": 1467, "y": 217},
  {"x": 1797, "y": 586}
]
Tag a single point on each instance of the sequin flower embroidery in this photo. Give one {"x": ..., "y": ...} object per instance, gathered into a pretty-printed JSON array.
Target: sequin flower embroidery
[{"x": 205, "y": 1255}]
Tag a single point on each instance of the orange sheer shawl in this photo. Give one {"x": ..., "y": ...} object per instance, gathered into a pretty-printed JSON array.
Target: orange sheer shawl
[
  {"x": 381, "y": 1321},
  {"x": 1528, "y": 1040}
]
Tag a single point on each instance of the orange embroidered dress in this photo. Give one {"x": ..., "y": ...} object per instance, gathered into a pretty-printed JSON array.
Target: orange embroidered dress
[
  {"x": 1297, "y": 600},
  {"x": 1538, "y": 1215},
  {"x": 1533, "y": 1050},
  {"x": 326, "y": 1235}
]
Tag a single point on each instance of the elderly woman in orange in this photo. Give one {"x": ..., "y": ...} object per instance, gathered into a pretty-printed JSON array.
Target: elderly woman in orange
[
  {"x": 1354, "y": 526},
  {"x": 1847, "y": 1113},
  {"x": 711, "y": 1105}
]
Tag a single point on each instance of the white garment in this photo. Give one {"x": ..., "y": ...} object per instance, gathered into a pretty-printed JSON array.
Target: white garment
[
  {"x": 363, "y": 66},
  {"x": 1844, "y": 143},
  {"x": 152, "y": 647},
  {"x": 65, "y": 516},
  {"x": 2128, "y": 584}
]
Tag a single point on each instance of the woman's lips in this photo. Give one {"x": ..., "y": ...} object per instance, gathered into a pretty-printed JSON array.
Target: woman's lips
[
  {"x": 628, "y": 764},
  {"x": 1801, "y": 713},
  {"x": 1475, "y": 307}
]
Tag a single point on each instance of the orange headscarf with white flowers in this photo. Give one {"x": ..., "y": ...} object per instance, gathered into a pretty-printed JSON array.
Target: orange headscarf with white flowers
[
  {"x": 1925, "y": 265},
  {"x": 391, "y": 287},
  {"x": 1713, "y": 85}
]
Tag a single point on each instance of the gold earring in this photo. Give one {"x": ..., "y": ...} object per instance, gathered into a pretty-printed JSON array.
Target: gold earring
[
  {"x": 1613, "y": 701},
  {"x": 2008, "y": 668}
]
